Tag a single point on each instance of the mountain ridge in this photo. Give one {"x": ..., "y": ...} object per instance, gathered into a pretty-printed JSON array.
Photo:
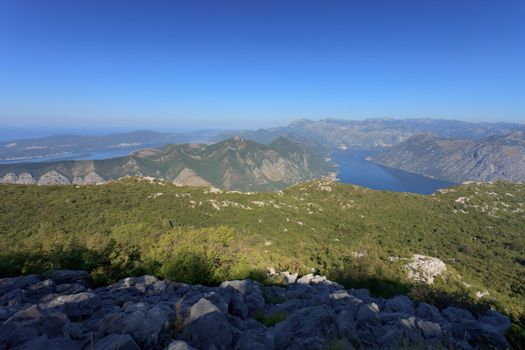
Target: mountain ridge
[
  {"x": 235, "y": 163},
  {"x": 497, "y": 157},
  {"x": 368, "y": 134},
  {"x": 375, "y": 133}
]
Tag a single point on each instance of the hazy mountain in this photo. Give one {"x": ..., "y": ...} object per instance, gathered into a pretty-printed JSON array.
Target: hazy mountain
[
  {"x": 61, "y": 145},
  {"x": 368, "y": 134},
  {"x": 236, "y": 163},
  {"x": 500, "y": 157},
  {"x": 371, "y": 134}
]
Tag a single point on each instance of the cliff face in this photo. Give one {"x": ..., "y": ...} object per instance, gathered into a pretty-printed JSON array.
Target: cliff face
[
  {"x": 235, "y": 164},
  {"x": 60, "y": 310},
  {"x": 493, "y": 158}
]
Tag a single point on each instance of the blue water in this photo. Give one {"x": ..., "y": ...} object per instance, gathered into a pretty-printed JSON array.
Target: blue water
[
  {"x": 355, "y": 169},
  {"x": 87, "y": 155}
]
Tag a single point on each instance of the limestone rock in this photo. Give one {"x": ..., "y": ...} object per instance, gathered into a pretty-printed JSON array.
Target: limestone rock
[
  {"x": 25, "y": 179},
  {"x": 400, "y": 303},
  {"x": 179, "y": 345},
  {"x": 290, "y": 278},
  {"x": 74, "y": 305},
  {"x": 250, "y": 291},
  {"x": 69, "y": 276},
  {"x": 116, "y": 341},
  {"x": 59, "y": 311},
  {"x": 208, "y": 327},
  {"x": 310, "y": 322},
  {"x": 91, "y": 178},
  {"x": 425, "y": 268},
  {"x": 145, "y": 323},
  {"x": 9, "y": 178},
  {"x": 22, "y": 179},
  {"x": 368, "y": 314},
  {"x": 53, "y": 177}
]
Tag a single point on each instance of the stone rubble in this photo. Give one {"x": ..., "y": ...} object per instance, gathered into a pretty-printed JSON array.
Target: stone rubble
[{"x": 61, "y": 311}]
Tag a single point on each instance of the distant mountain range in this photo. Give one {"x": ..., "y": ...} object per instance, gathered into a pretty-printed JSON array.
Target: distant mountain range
[
  {"x": 234, "y": 164},
  {"x": 369, "y": 134},
  {"x": 374, "y": 134},
  {"x": 61, "y": 145},
  {"x": 444, "y": 149},
  {"x": 497, "y": 157}
]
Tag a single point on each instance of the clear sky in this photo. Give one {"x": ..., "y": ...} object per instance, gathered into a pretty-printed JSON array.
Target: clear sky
[{"x": 255, "y": 63}]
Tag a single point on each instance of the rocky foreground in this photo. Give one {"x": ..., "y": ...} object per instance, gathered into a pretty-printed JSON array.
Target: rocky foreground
[{"x": 61, "y": 311}]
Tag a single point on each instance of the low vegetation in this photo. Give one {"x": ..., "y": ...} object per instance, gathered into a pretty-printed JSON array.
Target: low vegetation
[{"x": 356, "y": 236}]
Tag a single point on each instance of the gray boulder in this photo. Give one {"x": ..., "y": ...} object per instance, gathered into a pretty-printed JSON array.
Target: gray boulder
[
  {"x": 210, "y": 330},
  {"x": 290, "y": 278},
  {"x": 69, "y": 288},
  {"x": 317, "y": 321},
  {"x": 410, "y": 331},
  {"x": 368, "y": 314},
  {"x": 255, "y": 339},
  {"x": 486, "y": 336},
  {"x": 457, "y": 315},
  {"x": 346, "y": 327},
  {"x": 237, "y": 306},
  {"x": 306, "y": 279},
  {"x": 40, "y": 289},
  {"x": 179, "y": 345},
  {"x": 318, "y": 279},
  {"x": 44, "y": 343},
  {"x": 362, "y": 294},
  {"x": 138, "y": 284},
  {"x": 16, "y": 283},
  {"x": 429, "y": 312},
  {"x": 201, "y": 308},
  {"x": 387, "y": 337},
  {"x": 251, "y": 292},
  {"x": 69, "y": 276},
  {"x": 136, "y": 312},
  {"x": 430, "y": 330},
  {"x": 116, "y": 341},
  {"x": 400, "y": 303},
  {"x": 145, "y": 323},
  {"x": 74, "y": 305},
  {"x": 392, "y": 317},
  {"x": 495, "y": 320},
  {"x": 31, "y": 323},
  {"x": 5, "y": 313}
]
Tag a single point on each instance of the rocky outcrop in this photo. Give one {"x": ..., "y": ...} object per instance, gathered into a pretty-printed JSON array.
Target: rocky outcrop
[
  {"x": 188, "y": 177},
  {"x": 53, "y": 178},
  {"x": 22, "y": 179},
  {"x": 61, "y": 311},
  {"x": 91, "y": 178},
  {"x": 425, "y": 269}
]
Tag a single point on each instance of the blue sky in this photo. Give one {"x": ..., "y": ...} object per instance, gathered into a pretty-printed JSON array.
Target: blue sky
[{"x": 253, "y": 63}]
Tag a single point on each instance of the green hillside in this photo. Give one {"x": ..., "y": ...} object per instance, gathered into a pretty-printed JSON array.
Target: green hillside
[
  {"x": 235, "y": 164},
  {"x": 135, "y": 226}
]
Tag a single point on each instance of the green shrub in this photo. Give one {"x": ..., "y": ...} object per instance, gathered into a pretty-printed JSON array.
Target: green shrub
[{"x": 188, "y": 267}]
